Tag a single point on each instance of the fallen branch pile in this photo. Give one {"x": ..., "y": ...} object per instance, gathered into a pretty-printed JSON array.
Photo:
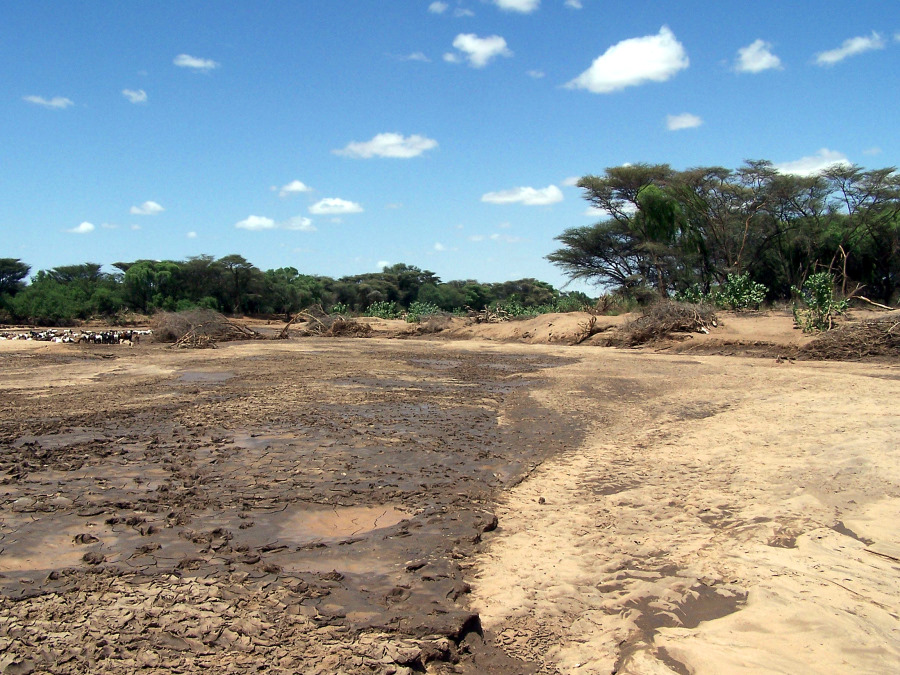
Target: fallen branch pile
[
  {"x": 661, "y": 320},
  {"x": 488, "y": 315},
  {"x": 874, "y": 337},
  {"x": 320, "y": 324},
  {"x": 199, "y": 329}
]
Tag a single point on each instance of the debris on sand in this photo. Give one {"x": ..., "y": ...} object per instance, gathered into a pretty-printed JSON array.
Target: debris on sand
[
  {"x": 661, "y": 320},
  {"x": 199, "y": 329},
  {"x": 857, "y": 340}
]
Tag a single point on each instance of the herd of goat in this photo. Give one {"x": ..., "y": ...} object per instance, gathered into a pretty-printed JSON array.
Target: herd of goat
[{"x": 106, "y": 337}]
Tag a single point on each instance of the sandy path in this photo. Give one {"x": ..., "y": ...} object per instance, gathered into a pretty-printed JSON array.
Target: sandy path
[{"x": 725, "y": 516}]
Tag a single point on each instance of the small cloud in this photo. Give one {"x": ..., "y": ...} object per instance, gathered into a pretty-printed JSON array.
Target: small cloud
[
  {"x": 135, "y": 227},
  {"x": 528, "y": 196},
  {"x": 194, "y": 63},
  {"x": 416, "y": 56},
  {"x": 294, "y": 187},
  {"x": 505, "y": 238},
  {"x": 461, "y": 13},
  {"x": 256, "y": 224},
  {"x": 851, "y": 47},
  {"x": 437, "y": 7},
  {"x": 438, "y": 246},
  {"x": 814, "y": 164},
  {"x": 476, "y": 237},
  {"x": 536, "y": 74},
  {"x": 872, "y": 151},
  {"x": 479, "y": 51},
  {"x": 756, "y": 57},
  {"x": 394, "y": 206},
  {"x": 521, "y": 6},
  {"x": 109, "y": 226},
  {"x": 571, "y": 181},
  {"x": 84, "y": 228},
  {"x": 57, "y": 102},
  {"x": 146, "y": 209},
  {"x": 389, "y": 145},
  {"x": 682, "y": 121},
  {"x": 381, "y": 264},
  {"x": 574, "y": 4},
  {"x": 652, "y": 58},
  {"x": 450, "y": 57},
  {"x": 191, "y": 235},
  {"x": 261, "y": 223},
  {"x": 135, "y": 95},
  {"x": 298, "y": 224},
  {"x": 333, "y": 205}
]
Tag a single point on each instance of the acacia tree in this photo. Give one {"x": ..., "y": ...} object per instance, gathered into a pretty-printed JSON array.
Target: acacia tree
[
  {"x": 12, "y": 272},
  {"x": 667, "y": 230}
]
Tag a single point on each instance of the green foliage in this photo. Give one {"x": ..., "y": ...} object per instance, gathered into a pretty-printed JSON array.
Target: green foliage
[
  {"x": 340, "y": 308},
  {"x": 739, "y": 292},
  {"x": 383, "y": 310},
  {"x": 669, "y": 231},
  {"x": 817, "y": 294},
  {"x": 419, "y": 310}
]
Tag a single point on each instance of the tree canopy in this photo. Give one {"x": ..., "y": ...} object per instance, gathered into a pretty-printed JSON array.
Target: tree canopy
[{"x": 666, "y": 231}]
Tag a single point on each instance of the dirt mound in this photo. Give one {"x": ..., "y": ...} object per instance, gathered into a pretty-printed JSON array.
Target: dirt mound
[{"x": 862, "y": 339}]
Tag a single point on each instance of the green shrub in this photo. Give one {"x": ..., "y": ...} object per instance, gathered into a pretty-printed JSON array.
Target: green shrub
[
  {"x": 817, "y": 294},
  {"x": 418, "y": 310},
  {"x": 340, "y": 308},
  {"x": 740, "y": 292},
  {"x": 383, "y": 310}
]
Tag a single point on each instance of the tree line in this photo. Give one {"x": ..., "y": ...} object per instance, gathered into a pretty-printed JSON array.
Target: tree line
[
  {"x": 668, "y": 232},
  {"x": 233, "y": 285}
]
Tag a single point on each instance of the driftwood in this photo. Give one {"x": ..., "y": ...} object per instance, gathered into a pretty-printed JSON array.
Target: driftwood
[
  {"x": 199, "y": 329},
  {"x": 871, "y": 302}
]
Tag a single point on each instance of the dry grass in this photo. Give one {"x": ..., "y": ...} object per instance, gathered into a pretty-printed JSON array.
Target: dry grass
[
  {"x": 661, "y": 321},
  {"x": 857, "y": 340}
]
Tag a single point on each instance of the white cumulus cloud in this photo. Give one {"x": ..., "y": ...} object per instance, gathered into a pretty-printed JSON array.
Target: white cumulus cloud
[
  {"x": 523, "y": 6},
  {"x": 146, "y": 209},
  {"x": 813, "y": 164},
  {"x": 682, "y": 121},
  {"x": 389, "y": 145},
  {"x": 57, "y": 102},
  {"x": 294, "y": 187},
  {"x": 84, "y": 228},
  {"x": 437, "y": 7},
  {"x": 525, "y": 195},
  {"x": 479, "y": 51},
  {"x": 135, "y": 95},
  {"x": 756, "y": 57},
  {"x": 256, "y": 223},
  {"x": 652, "y": 58},
  {"x": 194, "y": 63},
  {"x": 334, "y": 206},
  {"x": 574, "y": 4},
  {"x": 851, "y": 47},
  {"x": 299, "y": 224},
  {"x": 191, "y": 235},
  {"x": 262, "y": 223}
]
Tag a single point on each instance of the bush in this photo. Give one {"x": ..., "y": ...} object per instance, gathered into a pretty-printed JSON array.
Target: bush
[
  {"x": 418, "y": 310},
  {"x": 383, "y": 310},
  {"x": 821, "y": 307},
  {"x": 659, "y": 321},
  {"x": 340, "y": 308},
  {"x": 740, "y": 292}
]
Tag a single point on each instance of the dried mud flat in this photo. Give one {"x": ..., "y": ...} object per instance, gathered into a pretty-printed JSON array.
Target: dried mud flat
[{"x": 331, "y": 506}]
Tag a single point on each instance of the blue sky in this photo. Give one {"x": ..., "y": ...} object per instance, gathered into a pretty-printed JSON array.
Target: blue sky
[{"x": 337, "y": 136}]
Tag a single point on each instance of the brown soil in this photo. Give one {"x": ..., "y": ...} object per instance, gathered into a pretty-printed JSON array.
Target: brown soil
[{"x": 330, "y": 505}]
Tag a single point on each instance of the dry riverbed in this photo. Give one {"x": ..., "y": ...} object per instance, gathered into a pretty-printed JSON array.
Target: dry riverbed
[{"x": 379, "y": 506}]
